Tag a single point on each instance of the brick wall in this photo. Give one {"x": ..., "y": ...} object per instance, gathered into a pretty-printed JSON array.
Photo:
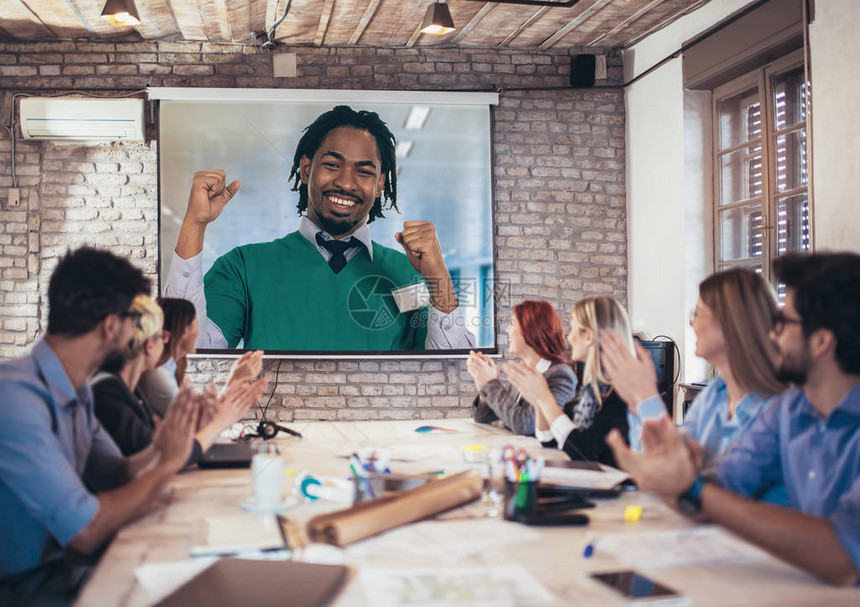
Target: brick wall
[{"x": 559, "y": 184}]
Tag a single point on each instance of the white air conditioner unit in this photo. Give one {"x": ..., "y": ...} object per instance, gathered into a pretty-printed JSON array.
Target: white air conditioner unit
[{"x": 85, "y": 119}]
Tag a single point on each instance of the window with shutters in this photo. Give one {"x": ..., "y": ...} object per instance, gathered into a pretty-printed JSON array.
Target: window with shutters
[{"x": 761, "y": 204}]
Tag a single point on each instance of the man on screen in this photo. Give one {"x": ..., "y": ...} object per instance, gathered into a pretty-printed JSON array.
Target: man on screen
[{"x": 326, "y": 286}]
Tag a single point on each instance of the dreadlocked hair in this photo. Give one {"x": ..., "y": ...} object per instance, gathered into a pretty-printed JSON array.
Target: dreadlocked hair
[{"x": 343, "y": 115}]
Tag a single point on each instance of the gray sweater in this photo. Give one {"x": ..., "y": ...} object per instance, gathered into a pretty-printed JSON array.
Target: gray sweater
[{"x": 502, "y": 401}]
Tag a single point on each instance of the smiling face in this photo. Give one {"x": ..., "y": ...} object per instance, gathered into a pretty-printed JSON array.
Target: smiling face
[
  {"x": 710, "y": 341},
  {"x": 344, "y": 178}
]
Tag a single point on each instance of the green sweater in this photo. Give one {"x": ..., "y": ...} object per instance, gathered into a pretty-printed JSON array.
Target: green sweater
[{"x": 282, "y": 295}]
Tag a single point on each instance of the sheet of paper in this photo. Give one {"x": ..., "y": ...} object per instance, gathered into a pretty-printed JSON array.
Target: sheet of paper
[
  {"x": 606, "y": 478},
  {"x": 449, "y": 540},
  {"x": 160, "y": 579},
  {"x": 502, "y": 586},
  {"x": 677, "y": 547},
  {"x": 237, "y": 533}
]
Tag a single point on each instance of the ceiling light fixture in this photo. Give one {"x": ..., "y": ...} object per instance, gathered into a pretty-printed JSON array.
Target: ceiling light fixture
[
  {"x": 417, "y": 117},
  {"x": 121, "y": 12},
  {"x": 403, "y": 149},
  {"x": 438, "y": 20}
]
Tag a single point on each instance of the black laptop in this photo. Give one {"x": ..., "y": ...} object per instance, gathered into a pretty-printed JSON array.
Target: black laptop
[{"x": 227, "y": 455}]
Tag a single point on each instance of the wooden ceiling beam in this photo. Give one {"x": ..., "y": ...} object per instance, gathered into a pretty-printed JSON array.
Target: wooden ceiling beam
[
  {"x": 156, "y": 20},
  {"x": 22, "y": 22},
  {"x": 325, "y": 15},
  {"x": 474, "y": 22},
  {"x": 258, "y": 11},
  {"x": 61, "y": 19},
  {"x": 622, "y": 24},
  {"x": 90, "y": 12},
  {"x": 239, "y": 17},
  {"x": 524, "y": 26},
  {"x": 672, "y": 16},
  {"x": 216, "y": 24},
  {"x": 369, "y": 12},
  {"x": 579, "y": 20},
  {"x": 189, "y": 19},
  {"x": 332, "y": 22}
]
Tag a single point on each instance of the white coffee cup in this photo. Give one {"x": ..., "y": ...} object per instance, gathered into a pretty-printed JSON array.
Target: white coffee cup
[{"x": 267, "y": 468}]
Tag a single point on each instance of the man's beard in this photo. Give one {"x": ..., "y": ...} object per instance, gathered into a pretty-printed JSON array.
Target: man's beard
[
  {"x": 336, "y": 227},
  {"x": 792, "y": 370},
  {"x": 117, "y": 357}
]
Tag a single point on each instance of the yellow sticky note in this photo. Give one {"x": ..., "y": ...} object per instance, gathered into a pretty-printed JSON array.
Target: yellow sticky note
[{"x": 632, "y": 514}]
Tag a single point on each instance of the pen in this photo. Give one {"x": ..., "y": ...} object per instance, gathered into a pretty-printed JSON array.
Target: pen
[{"x": 362, "y": 477}]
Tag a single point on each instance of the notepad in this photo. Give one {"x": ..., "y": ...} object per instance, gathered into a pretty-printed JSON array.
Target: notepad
[
  {"x": 234, "y": 534},
  {"x": 586, "y": 475}
]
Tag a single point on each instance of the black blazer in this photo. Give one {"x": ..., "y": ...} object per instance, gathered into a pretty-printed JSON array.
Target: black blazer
[
  {"x": 126, "y": 415},
  {"x": 590, "y": 443}
]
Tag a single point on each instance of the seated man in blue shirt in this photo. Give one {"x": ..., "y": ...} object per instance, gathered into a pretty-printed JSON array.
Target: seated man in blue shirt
[
  {"x": 809, "y": 438},
  {"x": 53, "y": 452}
]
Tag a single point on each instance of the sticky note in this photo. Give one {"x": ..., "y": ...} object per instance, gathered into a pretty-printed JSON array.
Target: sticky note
[{"x": 632, "y": 514}]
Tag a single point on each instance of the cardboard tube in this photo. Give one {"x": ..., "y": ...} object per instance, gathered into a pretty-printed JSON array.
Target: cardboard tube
[{"x": 366, "y": 519}]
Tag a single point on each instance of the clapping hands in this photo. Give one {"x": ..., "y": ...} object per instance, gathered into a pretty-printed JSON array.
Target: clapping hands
[{"x": 482, "y": 369}]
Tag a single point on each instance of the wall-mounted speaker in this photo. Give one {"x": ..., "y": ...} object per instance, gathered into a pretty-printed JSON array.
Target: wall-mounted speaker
[{"x": 582, "y": 71}]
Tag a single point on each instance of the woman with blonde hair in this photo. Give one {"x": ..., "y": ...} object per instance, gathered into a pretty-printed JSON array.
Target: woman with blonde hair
[
  {"x": 732, "y": 321},
  {"x": 125, "y": 413},
  {"x": 579, "y": 427},
  {"x": 536, "y": 337}
]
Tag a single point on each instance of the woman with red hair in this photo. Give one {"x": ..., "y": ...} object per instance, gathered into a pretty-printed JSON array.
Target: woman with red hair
[{"x": 536, "y": 337}]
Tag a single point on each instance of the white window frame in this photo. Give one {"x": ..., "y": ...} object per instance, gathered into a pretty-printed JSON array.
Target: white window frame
[{"x": 760, "y": 78}]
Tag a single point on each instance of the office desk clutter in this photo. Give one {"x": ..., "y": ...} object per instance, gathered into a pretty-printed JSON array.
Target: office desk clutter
[
  {"x": 436, "y": 538},
  {"x": 375, "y": 516},
  {"x": 530, "y": 502}
]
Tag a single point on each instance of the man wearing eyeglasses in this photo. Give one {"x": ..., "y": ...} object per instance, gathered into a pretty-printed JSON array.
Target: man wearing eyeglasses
[
  {"x": 809, "y": 438},
  {"x": 65, "y": 489}
]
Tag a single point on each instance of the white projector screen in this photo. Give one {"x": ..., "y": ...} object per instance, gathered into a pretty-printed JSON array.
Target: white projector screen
[{"x": 444, "y": 175}]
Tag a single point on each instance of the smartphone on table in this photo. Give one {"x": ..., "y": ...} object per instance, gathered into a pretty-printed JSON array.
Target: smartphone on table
[{"x": 639, "y": 590}]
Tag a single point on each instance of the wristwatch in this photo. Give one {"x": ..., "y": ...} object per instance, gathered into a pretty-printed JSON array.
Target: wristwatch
[{"x": 690, "y": 502}]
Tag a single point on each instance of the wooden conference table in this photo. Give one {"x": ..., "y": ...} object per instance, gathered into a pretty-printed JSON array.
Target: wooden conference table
[{"x": 553, "y": 555}]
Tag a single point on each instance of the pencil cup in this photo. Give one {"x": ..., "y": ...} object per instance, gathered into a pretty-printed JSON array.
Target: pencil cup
[
  {"x": 368, "y": 486},
  {"x": 520, "y": 499}
]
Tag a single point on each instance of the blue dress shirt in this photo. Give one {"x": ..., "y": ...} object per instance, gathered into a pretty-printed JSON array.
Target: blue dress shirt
[
  {"x": 49, "y": 435},
  {"x": 818, "y": 460},
  {"x": 707, "y": 421}
]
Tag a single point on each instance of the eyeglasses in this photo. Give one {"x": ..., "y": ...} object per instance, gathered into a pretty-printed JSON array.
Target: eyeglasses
[
  {"x": 780, "y": 320},
  {"x": 694, "y": 314}
]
